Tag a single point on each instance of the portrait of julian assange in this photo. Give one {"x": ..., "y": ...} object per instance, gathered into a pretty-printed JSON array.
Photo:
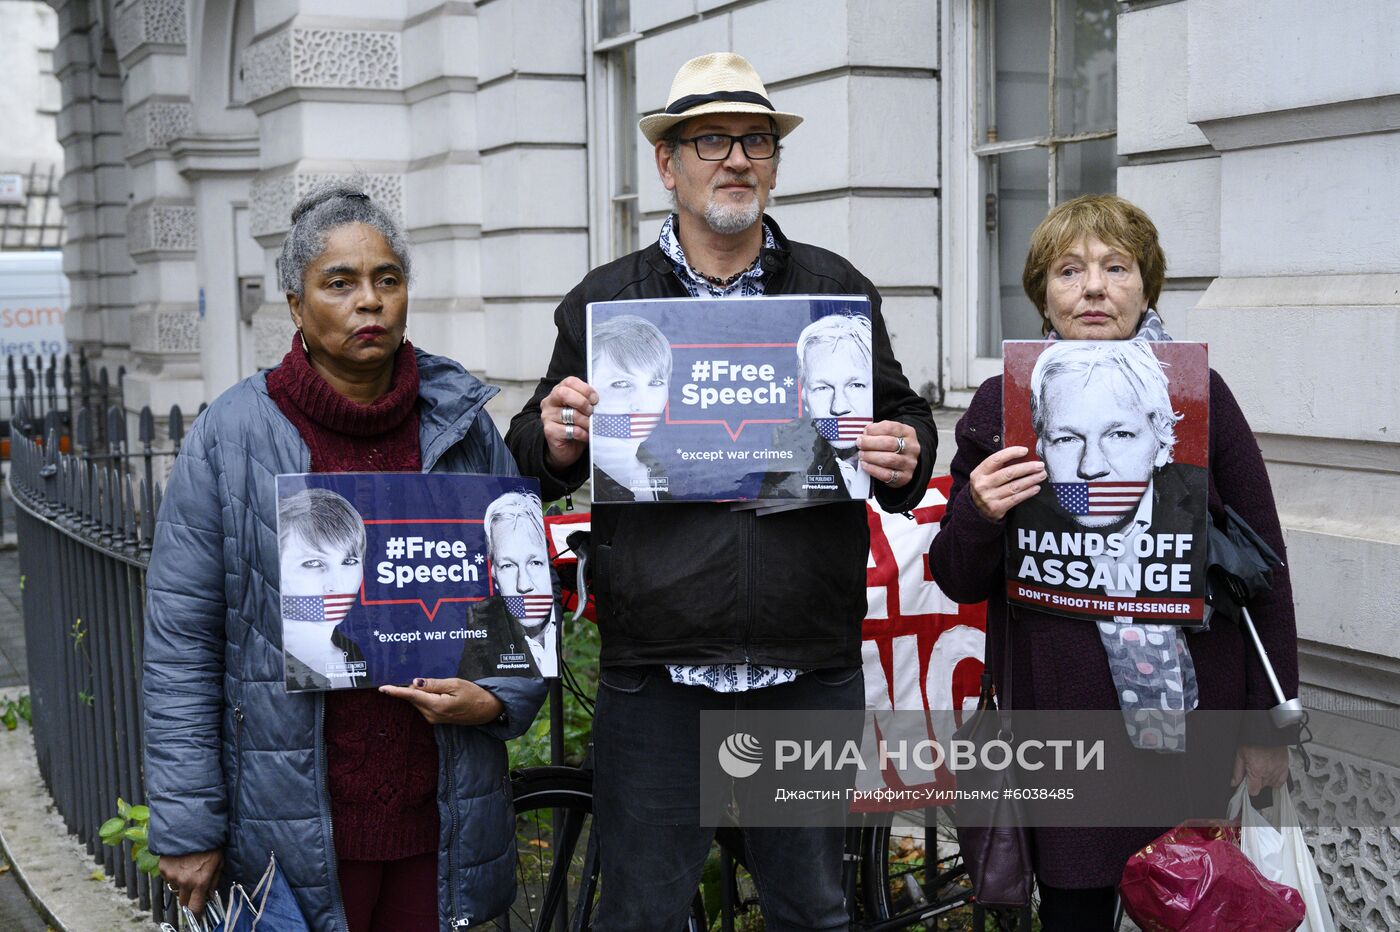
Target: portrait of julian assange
[
  {"x": 834, "y": 359},
  {"x": 321, "y": 544},
  {"x": 1106, "y": 430},
  {"x": 518, "y": 556}
]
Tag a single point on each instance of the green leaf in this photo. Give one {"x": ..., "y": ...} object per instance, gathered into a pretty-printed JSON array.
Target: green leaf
[
  {"x": 710, "y": 889},
  {"x": 147, "y": 863},
  {"x": 123, "y": 808},
  {"x": 97, "y": 875},
  {"x": 9, "y": 719},
  {"x": 135, "y": 833},
  {"x": 26, "y": 709},
  {"x": 139, "y": 814},
  {"x": 111, "y": 831}
]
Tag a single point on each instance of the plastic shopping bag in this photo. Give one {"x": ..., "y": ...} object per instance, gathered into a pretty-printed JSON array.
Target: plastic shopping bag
[
  {"x": 1282, "y": 855},
  {"x": 1195, "y": 879},
  {"x": 1259, "y": 840},
  {"x": 1304, "y": 878}
]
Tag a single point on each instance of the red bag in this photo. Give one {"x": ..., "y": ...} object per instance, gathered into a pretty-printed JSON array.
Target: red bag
[{"x": 1195, "y": 879}]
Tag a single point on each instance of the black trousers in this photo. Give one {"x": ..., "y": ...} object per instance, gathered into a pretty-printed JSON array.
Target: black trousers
[{"x": 646, "y": 795}]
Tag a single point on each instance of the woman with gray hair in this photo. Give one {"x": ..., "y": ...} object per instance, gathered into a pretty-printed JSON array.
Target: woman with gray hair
[{"x": 389, "y": 808}]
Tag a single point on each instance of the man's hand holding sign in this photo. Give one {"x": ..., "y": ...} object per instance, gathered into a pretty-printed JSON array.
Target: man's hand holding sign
[
  {"x": 889, "y": 451},
  {"x": 565, "y": 414}
]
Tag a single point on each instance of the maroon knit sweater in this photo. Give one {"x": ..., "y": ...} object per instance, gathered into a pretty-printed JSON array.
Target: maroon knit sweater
[{"x": 380, "y": 752}]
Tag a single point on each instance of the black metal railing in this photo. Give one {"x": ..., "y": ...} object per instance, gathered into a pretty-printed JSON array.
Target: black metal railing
[
  {"x": 83, "y": 406},
  {"x": 85, "y": 525},
  {"x": 56, "y": 387}
]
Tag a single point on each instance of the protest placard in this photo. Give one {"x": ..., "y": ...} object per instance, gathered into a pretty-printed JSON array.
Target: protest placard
[
  {"x": 1118, "y": 529},
  {"x": 744, "y": 399},
  {"x": 386, "y": 577}
]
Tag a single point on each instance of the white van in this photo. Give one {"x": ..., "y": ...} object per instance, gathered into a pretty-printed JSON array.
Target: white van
[{"x": 33, "y": 303}]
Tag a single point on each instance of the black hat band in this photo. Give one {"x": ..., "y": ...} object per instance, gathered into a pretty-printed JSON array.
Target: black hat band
[{"x": 734, "y": 97}]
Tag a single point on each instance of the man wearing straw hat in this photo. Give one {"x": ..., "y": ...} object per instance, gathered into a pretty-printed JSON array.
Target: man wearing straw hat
[{"x": 703, "y": 607}]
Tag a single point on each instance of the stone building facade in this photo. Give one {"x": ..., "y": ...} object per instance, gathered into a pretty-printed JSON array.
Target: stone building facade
[{"x": 1264, "y": 138}]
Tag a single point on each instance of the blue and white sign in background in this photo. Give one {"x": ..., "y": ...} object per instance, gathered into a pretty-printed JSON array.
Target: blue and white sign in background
[
  {"x": 742, "y": 399},
  {"x": 385, "y": 577}
]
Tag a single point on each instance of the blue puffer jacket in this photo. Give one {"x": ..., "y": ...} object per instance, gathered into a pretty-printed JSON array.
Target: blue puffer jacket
[{"x": 232, "y": 760}]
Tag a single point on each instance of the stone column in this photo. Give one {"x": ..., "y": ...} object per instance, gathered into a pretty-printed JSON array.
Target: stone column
[
  {"x": 95, "y": 185},
  {"x": 533, "y": 117},
  {"x": 150, "y": 37},
  {"x": 387, "y": 101}
]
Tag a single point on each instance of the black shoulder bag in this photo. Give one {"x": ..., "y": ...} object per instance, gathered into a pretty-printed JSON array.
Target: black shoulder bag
[{"x": 997, "y": 850}]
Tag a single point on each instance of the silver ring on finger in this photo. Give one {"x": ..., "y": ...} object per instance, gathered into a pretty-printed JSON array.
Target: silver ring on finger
[
  {"x": 172, "y": 888},
  {"x": 899, "y": 445},
  {"x": 568, "y": 431},
  {"x": 894, "y": 476},
  {"x": 566, "y": 417}
]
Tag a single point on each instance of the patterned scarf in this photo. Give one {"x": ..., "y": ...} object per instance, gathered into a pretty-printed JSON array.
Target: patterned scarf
[
  {"x": 1152, "y": 669},
  {"x": 748, "y": 285}
]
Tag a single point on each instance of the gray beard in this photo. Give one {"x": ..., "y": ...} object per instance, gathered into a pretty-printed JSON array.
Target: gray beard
[{"x": 728, "y": 221}]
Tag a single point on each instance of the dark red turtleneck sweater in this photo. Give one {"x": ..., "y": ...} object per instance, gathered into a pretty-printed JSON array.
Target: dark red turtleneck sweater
[{"x": 380, "y": 751}]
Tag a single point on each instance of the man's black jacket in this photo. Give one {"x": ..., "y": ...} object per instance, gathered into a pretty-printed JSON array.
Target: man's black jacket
[{"x": 699, "y": 583}]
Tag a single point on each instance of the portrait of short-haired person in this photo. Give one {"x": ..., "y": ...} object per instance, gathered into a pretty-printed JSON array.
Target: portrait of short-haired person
[
  {"x": 321, "y": 540},
  {"x": 834, "y": 367},
  {"x": 631, "y": 361},
  {"x": 703, "y": 607},
  {"x": 518, "y": 555}
]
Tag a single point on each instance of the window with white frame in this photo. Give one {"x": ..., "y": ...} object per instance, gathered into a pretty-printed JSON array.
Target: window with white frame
[
  {"x": 1031, "y": 108},
  {"x": 614, "y": 130}
]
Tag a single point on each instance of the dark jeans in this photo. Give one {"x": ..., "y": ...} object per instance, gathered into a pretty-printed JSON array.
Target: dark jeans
[
  {"x": 1085, "y": 910},
  {"x": 646, "y": 793},
  {"x": 390, "y": 896}
]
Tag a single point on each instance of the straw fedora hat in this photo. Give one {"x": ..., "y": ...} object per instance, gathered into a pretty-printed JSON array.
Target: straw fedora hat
[{"x": 720, "y": 82}]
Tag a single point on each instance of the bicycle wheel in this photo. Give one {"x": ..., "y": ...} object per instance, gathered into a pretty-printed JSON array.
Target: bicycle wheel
[
  {"x": 557, "y": 853},
  {"x": 556, "y": 860},
  {"x": 898, "y": 882}
]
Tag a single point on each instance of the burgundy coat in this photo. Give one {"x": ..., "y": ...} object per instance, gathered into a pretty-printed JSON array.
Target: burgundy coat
[{"x": 1059, "y": 662}]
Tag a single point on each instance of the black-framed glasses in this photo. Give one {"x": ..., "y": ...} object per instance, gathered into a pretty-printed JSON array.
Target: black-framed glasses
[{"x": 715, "y": 147}]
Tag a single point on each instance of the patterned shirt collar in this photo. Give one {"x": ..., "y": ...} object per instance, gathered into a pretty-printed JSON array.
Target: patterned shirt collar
[{"x": 748, "y": 285}]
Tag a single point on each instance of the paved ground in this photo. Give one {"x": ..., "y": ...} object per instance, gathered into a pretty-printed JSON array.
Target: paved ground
[{"x": 16, "y": 912}]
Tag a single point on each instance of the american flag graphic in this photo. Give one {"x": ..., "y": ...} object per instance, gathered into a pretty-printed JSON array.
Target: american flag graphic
[
  {"x": 1098, "y": 498},
  {"x": 624, "y": 426},
  {"x": 332, "y": 608},
  {"x": 841, "y": 428},
  {"x": 530, "y": 607}
]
